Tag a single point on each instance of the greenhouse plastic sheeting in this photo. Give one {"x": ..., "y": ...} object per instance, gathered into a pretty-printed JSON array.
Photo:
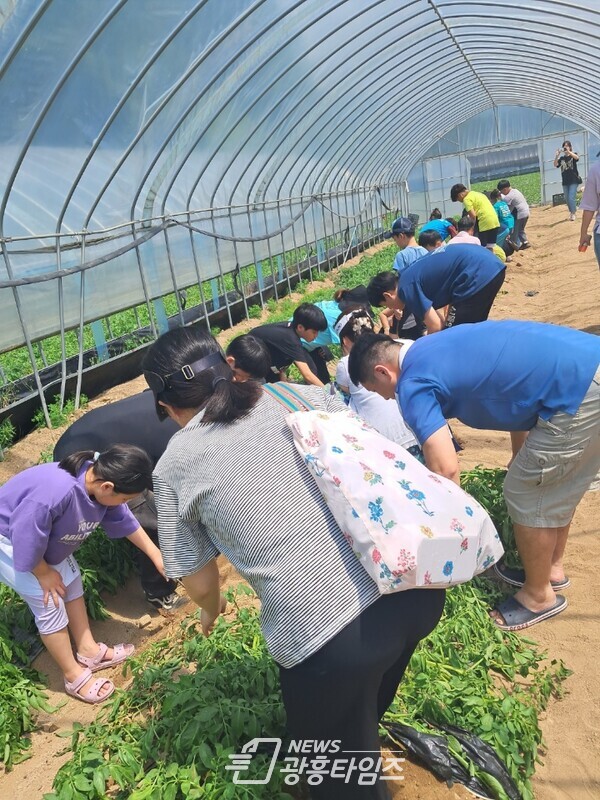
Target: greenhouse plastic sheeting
[{"x": 120, "y": 111}]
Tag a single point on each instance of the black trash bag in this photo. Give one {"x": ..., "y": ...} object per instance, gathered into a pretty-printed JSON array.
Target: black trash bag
[
  {"x": 433, "y": 752},
  {"x": 485, "y": 757}
]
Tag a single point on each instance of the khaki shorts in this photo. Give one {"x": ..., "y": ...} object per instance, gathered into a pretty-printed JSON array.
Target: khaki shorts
[{"x": 556, "y": 465}]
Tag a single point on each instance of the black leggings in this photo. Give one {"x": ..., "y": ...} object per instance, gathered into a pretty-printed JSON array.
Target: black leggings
[{"x": 342, "y": 691}]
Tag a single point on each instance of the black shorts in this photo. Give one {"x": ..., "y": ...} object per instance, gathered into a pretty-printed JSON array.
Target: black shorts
[
  {"x": 488, "y": 237},
  {"x": 477, "y": 307}
]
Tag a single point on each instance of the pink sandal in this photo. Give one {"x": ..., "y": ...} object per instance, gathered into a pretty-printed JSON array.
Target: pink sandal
[
  {"x": 121, "y": 652},
  {"x": 92, "y": 694}
]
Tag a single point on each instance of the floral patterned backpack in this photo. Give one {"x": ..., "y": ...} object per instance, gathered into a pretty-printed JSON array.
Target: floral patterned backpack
[{"x": 409, "y": 527}]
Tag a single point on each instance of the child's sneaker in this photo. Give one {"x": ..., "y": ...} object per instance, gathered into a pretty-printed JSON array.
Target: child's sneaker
[{"x": 168, "y": 603}]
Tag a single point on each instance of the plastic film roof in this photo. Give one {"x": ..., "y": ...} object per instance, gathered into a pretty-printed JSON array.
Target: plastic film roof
[
  {"x": 126, "y": 112},
  {"x": 124, "y": 109}
]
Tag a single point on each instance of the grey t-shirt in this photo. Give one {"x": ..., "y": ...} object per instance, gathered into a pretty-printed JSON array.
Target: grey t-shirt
[
  {"x": 243, "y": 490},
  {"x": 516, "y": 201}
]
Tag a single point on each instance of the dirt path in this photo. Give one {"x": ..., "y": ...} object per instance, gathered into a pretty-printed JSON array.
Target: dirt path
[{"x": 567, "y": 287}]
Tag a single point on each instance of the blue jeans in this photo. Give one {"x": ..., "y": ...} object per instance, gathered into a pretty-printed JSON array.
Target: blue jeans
[
  {"x": 597, "y": 246},
  {"x": 570, "y": 192}
]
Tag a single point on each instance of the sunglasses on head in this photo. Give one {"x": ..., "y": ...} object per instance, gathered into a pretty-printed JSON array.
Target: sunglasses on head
[{"x": 160, "y": 383}]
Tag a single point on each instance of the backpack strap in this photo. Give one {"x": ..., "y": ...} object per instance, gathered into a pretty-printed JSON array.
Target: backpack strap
[{"x": 288, "y": 397}]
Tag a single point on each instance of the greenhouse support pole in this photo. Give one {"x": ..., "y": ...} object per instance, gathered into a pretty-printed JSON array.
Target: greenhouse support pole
[
  {"x": 295, "y": 243},
  {"x": 325, "y": 237},
  {"x": 28, "y": 342},
  {"x": 282, "y": 270},
  {"x": 197, "y": 268},
  {"x": 273, "y": 276},
  {"x": 61, "y": 317},
  {"x": 257, "y": 264},
  {"x": 138, "y": 256},
  {"x": 81, "y": 324},
  {"x": 239, "y": 272},
  {"x": 173, "y": 276},
  {"x": 307, "y": 244},
  {"x": 218, "y": 254}
]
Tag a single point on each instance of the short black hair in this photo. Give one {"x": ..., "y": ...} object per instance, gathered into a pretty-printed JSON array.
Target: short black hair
[
  {"x": 429, "y": 238},
  {"x": 435, "y": 214},
  {"x": 382, "y": 282},
  {"x": 251, "y": 354},
  {"x": 465, "y": 223},
  {"x": 310, "y": 316},
  {"x": 456, "y": 190},
  {"x": 367, "y": 351},
  {"x": 503, "y": 185}
]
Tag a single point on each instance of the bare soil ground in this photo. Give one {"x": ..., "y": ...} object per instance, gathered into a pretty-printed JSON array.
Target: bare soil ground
[{"x": 566, "y": 287}]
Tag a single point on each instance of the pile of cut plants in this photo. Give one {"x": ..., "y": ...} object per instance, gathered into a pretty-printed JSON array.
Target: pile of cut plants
[{"x": 193, "y": 702}]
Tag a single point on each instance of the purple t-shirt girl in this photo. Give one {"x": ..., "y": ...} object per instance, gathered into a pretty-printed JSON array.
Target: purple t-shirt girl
[{"x": 46, "y": 513}]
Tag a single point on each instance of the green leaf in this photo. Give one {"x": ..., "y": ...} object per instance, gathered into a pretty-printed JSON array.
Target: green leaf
[
  {"x": 82, "y": 783},
  {"x": 487, "y": 723},
  {"x": 99, "y": 782},
  {"x": 169, "y": 792}
]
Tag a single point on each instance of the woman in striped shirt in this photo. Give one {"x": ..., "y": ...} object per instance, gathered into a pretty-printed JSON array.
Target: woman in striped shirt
[{"x": 232, "y": 482}]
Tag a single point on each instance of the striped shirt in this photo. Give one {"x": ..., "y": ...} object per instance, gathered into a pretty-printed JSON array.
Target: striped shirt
[{"x": 242, "y": 490}]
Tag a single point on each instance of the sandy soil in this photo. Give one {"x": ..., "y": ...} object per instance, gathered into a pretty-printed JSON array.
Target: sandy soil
[{"x": 566, "y": 287}]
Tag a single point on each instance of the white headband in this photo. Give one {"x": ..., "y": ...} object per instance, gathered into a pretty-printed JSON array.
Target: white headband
[{"x": 339, "y": 326}]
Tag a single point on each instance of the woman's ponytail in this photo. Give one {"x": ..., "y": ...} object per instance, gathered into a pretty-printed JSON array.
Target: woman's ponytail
[
  {"x": 210, "y": 389},
  {"x": 230, "y": 400}
]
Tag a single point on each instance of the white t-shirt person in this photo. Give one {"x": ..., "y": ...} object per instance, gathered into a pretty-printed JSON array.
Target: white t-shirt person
[{"x": 383, "y": 415}]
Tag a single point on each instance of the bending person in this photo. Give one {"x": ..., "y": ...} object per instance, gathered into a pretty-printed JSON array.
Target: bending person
[
  {"x": 481, "y": 211},
  {"x": 46, "y": 513},
  {"x": 541, "y": 383},
  {"x": 383, "y": 415},
  {"x": 464, "y": 277},
  {"x": 318, "y": 348},
  {"x": 283, "y": 340},
  {"x": 231, "y": 481}
]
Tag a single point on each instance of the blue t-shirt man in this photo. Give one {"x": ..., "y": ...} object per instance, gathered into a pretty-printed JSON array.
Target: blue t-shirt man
[
  {"x": 442, "y": 226},
  {"x": 441, "y": 279},
  {"x": 499, "y": 376}
]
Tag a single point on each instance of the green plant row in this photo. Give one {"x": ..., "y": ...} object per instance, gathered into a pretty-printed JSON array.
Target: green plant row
[
  {"x": 16, "y": 364},
  {"x": 195, "y": 701}
]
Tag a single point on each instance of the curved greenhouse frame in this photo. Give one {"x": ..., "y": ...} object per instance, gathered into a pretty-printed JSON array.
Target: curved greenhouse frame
[{"x": 150, "y": 149}]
